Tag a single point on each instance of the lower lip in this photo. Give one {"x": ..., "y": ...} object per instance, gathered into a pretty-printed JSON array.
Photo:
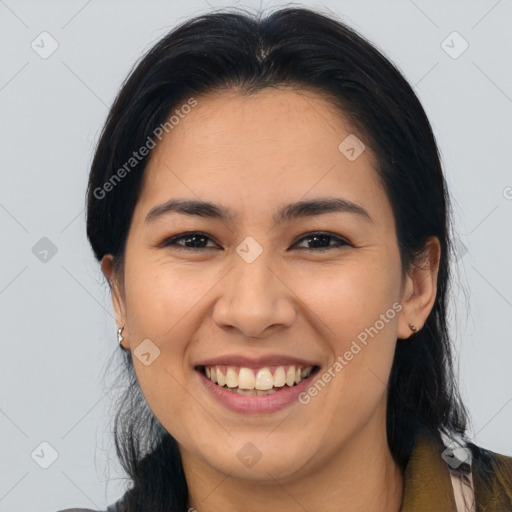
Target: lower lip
[{"x": 255, "y": 404}]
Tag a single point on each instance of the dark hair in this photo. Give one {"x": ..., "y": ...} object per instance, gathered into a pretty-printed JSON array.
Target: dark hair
[{"x": 305, "y": 50}]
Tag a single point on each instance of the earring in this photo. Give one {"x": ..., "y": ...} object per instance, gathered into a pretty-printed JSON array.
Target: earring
[
  {"x": 120, "y": 337},
  {"x": 413, "y": 328}
]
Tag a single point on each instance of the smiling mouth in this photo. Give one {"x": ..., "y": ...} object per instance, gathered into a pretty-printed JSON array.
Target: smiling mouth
[{"x": 258, "y": 381}]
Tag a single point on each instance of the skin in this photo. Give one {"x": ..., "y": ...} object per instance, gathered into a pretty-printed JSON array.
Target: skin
[{"x": 254, "y": 154}]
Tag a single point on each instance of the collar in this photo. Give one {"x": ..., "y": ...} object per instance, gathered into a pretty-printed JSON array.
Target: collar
[{"x": 427, "y": 482}]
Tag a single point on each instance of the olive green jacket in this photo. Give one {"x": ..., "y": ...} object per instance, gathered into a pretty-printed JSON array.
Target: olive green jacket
[
  {"x": 428, "y": 481},
  {"x": 429, "y": 487}
]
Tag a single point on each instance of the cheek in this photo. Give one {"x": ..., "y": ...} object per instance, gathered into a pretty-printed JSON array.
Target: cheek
[
  {"x": 166, "y": 393},
  {"x": 358, "y": 307},
  {"x": 349, "y": 296},
  {"x": 159, "y": 298}
]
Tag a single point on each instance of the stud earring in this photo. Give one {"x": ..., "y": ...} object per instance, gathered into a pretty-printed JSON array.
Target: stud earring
[
  {"x": 413, "y": 328},
  {"x": 120, "y": 338}
]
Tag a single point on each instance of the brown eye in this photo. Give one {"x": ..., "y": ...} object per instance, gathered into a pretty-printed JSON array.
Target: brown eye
[
  {"x": 321, "y": 241},
  {"x": 192, "y": 241}
]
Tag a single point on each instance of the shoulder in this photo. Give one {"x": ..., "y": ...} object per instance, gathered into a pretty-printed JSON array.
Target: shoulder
[
  {"x": 492, "y": 477},
  {"x": 492, "y": 463},
  {"x": 119, "y": 506},
  {"x": 77, "y": 510},
  {"x": 111, "y": 508}
]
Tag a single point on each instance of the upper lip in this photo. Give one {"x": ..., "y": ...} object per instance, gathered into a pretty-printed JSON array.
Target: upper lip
[{"x": 257, "y": 362}]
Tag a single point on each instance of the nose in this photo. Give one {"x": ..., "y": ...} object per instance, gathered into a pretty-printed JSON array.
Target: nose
[{"x": 254, "y": 298}]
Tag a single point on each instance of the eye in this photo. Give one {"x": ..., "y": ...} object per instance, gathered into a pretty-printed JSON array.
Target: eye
[
  {"x": 323, "y": 239},
  {"x": 196, "y": 239}
]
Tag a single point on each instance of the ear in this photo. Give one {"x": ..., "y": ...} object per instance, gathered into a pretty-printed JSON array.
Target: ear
[
  {"x": 420, "y": 289},
  {"x": 115, "y": 290}
]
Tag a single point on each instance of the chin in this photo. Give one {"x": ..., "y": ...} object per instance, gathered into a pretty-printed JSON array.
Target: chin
[{"x": 263, "y": 461}]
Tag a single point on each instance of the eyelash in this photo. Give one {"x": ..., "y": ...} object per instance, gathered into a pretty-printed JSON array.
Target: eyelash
[{"x": 173, "y": 241}]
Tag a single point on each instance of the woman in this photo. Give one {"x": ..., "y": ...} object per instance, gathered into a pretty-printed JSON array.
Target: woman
[{"x": 269, "y": 208}]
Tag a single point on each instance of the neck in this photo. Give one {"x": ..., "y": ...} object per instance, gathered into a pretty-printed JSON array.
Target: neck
[{"x": 361, "y": 475}]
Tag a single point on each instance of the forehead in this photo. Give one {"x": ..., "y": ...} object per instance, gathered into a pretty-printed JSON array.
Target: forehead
[
  {"x": 250, "y": 151},
  {"x": 274, "y": 120}
]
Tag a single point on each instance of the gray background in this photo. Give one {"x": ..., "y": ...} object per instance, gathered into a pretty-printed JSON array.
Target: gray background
[{"x": 57, "y": 329}]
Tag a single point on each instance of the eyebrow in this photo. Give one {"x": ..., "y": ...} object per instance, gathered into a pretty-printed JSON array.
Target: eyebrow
[{"x": 287, "y": 213}]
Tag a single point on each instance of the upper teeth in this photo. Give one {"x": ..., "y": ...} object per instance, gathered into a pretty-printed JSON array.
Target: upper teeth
[{"x": 262, "y": 378}]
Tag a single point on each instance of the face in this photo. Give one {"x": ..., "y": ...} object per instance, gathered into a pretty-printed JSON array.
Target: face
[{"x": 253, "y": 294}]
